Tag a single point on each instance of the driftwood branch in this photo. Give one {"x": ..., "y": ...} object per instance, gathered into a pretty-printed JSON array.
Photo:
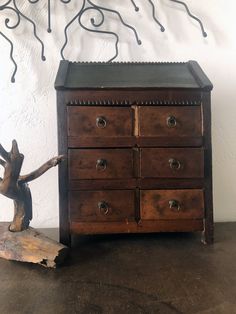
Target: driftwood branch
[
  {"x": 15, "y": 187},
  {"x": 30, "y": 246},
  {"x": 12, "y": 168},
  {"x": 2, "y": 163},
  {"x": 3, "y": 153},
  {"x": 40, "y": 171}
]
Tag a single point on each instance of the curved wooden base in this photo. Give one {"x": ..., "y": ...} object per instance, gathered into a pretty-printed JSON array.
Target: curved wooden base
[{"x": 30, "y": 246}]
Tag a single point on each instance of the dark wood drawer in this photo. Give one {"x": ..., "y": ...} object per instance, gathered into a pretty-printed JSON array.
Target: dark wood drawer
[
  {"x": 100, "y": 163},
  {"x": 102, "y": 205},
  {"x": 99, "y": 121},
  {"x": 170, "y": 121},
  {"x": 172, "y": 163},
  {"x": 172, "y": 204}
]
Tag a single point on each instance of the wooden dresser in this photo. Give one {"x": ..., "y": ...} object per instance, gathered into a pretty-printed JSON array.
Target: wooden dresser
[{"x": 137, "y": 137}]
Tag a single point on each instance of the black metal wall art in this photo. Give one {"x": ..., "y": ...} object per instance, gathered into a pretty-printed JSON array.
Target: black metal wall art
[{"x": 12, "y": 6}]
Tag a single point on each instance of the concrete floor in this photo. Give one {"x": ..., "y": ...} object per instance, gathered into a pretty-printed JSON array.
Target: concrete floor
[{"x": 161, "y": 273}]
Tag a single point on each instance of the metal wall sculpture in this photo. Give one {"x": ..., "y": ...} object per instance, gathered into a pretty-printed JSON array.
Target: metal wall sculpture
[{"x": 12, "y": 6}]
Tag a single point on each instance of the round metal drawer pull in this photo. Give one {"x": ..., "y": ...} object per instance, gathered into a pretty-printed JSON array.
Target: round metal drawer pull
[
  {"x": 101, "y": 164},
  {"x": 171, "y": 122},
  {"x": 174, "y": 204},
  {"x": 103, "y": 207},
  {"x": 174, "y": 164},
  {"x": 101, "y": 122}
]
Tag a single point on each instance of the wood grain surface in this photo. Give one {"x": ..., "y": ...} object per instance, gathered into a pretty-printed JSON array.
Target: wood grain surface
[
  {"x": 155, "y": 162},
  {"x": 83, "y": 163},
  {"x": 84, "y": 205},
  {"x": 143, "y": 226},
  {"x": 30, "y": 246},
  {"x": 154, "y": 121},
  {"x": 155, "y": 204},
  {"x": 82, "y": 121}
]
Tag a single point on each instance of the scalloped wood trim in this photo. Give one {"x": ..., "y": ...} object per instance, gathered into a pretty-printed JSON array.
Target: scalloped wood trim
[{"x": 80, "y": 102}]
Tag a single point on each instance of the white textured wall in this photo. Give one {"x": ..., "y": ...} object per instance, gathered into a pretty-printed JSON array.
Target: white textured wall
[{"x": 28, "y": 107}]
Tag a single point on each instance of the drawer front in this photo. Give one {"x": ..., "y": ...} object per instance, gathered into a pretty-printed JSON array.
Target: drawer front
[
  {"x": 172, "y": 163},
  {"x": 100, "y": 121},
  {"x": 102, "y": 205},
  {"x": 171, "y": 121},
  {"x": 100, "y": 163},
  {"x": 172, "y": 204}
]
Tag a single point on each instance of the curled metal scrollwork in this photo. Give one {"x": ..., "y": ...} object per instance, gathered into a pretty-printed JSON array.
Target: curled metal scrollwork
[
  {"x": 34, "y": 29},
  {"x": 49, "y": 29},
  {"x": 5, "y": 4},
  {"x": 98, "y": 9},
  {"x": 11, "y": 56},
  {"x": 204, "y": 34},
  {"x": 93, "y": 22},
  {"x": 33, "y": 1},
  {"x": 67, "y": 27},
  {"x": 176, "y": 1},
  {"x": 135, "y": 6},
  {"x": 154, "y": 16},
  {"x": 7, "y": 20},
  {"x": 120, "y": 17},
  {"x": 153, "y": 13},
  {"x": 11, "y": 6}
]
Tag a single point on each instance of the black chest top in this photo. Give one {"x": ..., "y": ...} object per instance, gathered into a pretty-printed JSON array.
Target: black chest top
[{"x": 187, "y": 75}]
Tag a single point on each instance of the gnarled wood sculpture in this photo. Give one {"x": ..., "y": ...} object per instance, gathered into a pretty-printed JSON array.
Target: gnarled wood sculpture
[{"x": 15, "y": 186}]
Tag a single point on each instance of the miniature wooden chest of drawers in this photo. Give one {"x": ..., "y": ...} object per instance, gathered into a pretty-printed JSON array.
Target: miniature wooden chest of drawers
[{"x": 137, "y": 137}]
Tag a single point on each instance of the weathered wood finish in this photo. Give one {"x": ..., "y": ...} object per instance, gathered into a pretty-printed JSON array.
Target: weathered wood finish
[
  {"x": 84, "y": 163},
  {"x": 30, "y": 246},
  {"x": 15, "y": 186},
  {"x": 208, "y": 234},
  {"x": 132, "y": 141},
  {"x": 64, "y": 227},
  {"x": 128, "y": 97},
  {"x": 167, "y": 141},
  {"x": 155, "y": 162},
  {"x": 141, "y": 183},
  {"x": 155, "y": 204},
  {"x": 138, "y": 143},
  {"x": 154, "y": 121},
  {"x": 143, "y": 226},
  {"x": 84, "y": 205},
  {"x": 82, "y": 122}
]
